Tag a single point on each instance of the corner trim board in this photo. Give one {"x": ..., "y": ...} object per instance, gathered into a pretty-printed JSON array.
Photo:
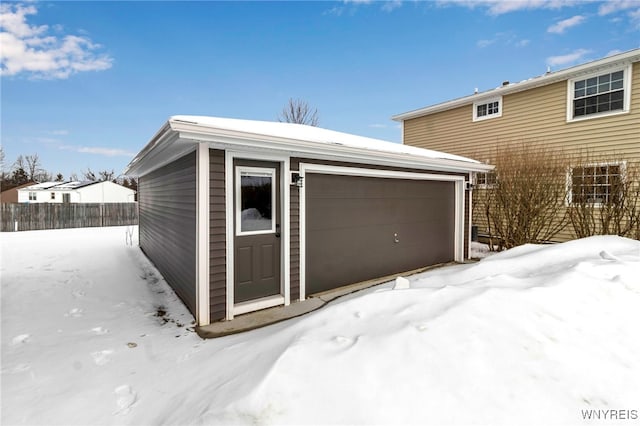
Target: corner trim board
[{"x": 202, "y": 234}]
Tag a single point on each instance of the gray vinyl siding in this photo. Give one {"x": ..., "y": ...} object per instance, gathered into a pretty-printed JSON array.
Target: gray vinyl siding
[
  {"x": 217, "y": 236},
  {"x": 167, "y": 203}
]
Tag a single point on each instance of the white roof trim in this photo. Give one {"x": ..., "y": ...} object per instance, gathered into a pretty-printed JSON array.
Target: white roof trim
[
  {"x": 180, "y": 134},
  {"x": 543, "y": 80}
]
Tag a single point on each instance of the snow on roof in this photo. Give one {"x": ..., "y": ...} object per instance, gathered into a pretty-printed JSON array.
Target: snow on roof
[
  {"x": 60, "y": 185},
  {"x": 307, "y": 133},
  {"x": 42, "y": 186}
]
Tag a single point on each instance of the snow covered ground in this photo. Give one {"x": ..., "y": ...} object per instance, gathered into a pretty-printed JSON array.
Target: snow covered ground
[{"x": 92, "y": 335}]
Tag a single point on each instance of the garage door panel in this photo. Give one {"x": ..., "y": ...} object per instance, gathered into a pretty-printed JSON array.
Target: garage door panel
[
  {"x": 358, "y": 228},
  {"x": 375, "y": 211}
]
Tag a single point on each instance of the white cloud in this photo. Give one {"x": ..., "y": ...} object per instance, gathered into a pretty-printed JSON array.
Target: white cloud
[
  {"x": 30, "y": 49},
  {"x": 378, "y": 126},
  {"x": 613, "y": 6},
  {"x": 500, "y": 7},
  {"x": 107, "y": 152},
  {"x": 391, "y": 5},
  {"x": 569, "y": 58},
  {"x": 635, "y": 18},
  {"x": 485, "y": 43},
  {"x": 60, "y": 132},
  {"x": 503, "y": 38},
  {"x": 561, "y": 26}
]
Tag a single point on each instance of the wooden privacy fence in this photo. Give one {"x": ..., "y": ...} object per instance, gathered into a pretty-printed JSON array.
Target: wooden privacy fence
[{"x": 34, "y": 216}]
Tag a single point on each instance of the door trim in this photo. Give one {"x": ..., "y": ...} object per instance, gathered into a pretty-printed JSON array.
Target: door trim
[
  {"x": 284, "y": 298},
  {"x": 459, "y": 221}
]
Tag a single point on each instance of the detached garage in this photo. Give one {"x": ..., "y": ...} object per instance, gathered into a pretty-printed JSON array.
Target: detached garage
[{"x": 243, "y": 215}]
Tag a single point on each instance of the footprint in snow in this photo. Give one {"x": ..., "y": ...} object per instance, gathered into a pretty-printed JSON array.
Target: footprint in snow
[
  {"x": 607, "y": 256},
  {"x": 422, "y": 327},
  {"x": 22, "y": 338},
  {"x": 20, "y": 368},
  {"x": 99, "y": 330},
  {"x": 75, "y": 312},
  {"x": 77, "y": 293},
  {"x": 345, "y": 342},
  {"x": 102, "y": 357},
  {"x": 125, "y": 398}
]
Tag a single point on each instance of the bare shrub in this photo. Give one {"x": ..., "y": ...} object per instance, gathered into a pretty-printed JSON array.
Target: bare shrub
[
  {"x": 604, "y": 197},
  {"x": 526, "y": 204}
]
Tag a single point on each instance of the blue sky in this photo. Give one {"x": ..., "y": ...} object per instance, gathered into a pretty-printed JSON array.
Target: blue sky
[{"x": 87, "y": 84}]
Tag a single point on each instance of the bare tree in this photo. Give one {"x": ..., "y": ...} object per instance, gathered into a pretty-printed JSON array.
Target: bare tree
[
  {"x": 101, "y": 176},
  {"x": 89, "y": 175},
  {"x": 107, "y": 175},
  {"x": 299, "y": 112},
  {"x": 32, "y": 167}
]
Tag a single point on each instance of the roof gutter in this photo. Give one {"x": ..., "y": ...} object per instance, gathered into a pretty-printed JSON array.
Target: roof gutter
[
  {"x": 226, "y": 138},
  {"x": 543, "y": 80}
]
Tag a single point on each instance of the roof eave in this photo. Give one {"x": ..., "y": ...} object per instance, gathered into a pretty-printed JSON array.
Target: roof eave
[
  {"x": 543, "y": 80},
  {"x": 233, "y": 138}
]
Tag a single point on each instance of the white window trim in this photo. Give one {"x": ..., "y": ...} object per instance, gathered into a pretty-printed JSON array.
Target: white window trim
[
  {"x": 266, "y": 172},
  {"x": 484, "y": 185},
  {"x": 626, "y": 86},
  {"x": 484, "y": 102},
  {"x": 569, "y": 177},
  {"x": 233, "y": 309},
  {"x": 459, "y": 181}
]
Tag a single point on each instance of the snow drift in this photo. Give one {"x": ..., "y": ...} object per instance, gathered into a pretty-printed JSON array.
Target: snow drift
[{"x": 533, "y": 335}]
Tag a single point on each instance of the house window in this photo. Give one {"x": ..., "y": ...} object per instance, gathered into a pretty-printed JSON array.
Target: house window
[
  {"x": 66, "y": 198},
  {"x": 485, "y": 179},
  {"x": 33, "y": 196},
  {"x": 600, "y": 94},
  {"x": 491, "y": 108},
  {"x": 596, "y": 184},
  {"x": 53, "y": 195}
]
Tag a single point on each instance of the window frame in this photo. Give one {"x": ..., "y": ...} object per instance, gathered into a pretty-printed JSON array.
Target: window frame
[
  {"x": 622, "y": 172},
  {"x": 627, "y": 70},
  {"x": 487, "y": 101},
  {"x": 486, "y": 185},
  {"x": 265, "y": 172},
  {"x": 33, "y": 196}
]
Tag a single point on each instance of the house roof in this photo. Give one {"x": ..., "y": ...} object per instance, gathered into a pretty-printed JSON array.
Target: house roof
[
  {"x": 543, "y": 80},
  {"x": 298, "y": 139},
  {"x": 58, "y": 186}
]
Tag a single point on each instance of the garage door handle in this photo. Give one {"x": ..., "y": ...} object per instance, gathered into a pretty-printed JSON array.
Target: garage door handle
[{"x": 395, "y": 238}]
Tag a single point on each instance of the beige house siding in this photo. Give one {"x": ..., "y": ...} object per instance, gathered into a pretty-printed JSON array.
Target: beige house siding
[{"x": 537, "y": 115}]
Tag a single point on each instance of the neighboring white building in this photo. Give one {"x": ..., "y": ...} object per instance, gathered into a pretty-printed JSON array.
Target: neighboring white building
[{"x": 76, "y": 192}]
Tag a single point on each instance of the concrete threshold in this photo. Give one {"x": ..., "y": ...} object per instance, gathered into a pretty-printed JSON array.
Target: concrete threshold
[{"x": 265, "y": 317}]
